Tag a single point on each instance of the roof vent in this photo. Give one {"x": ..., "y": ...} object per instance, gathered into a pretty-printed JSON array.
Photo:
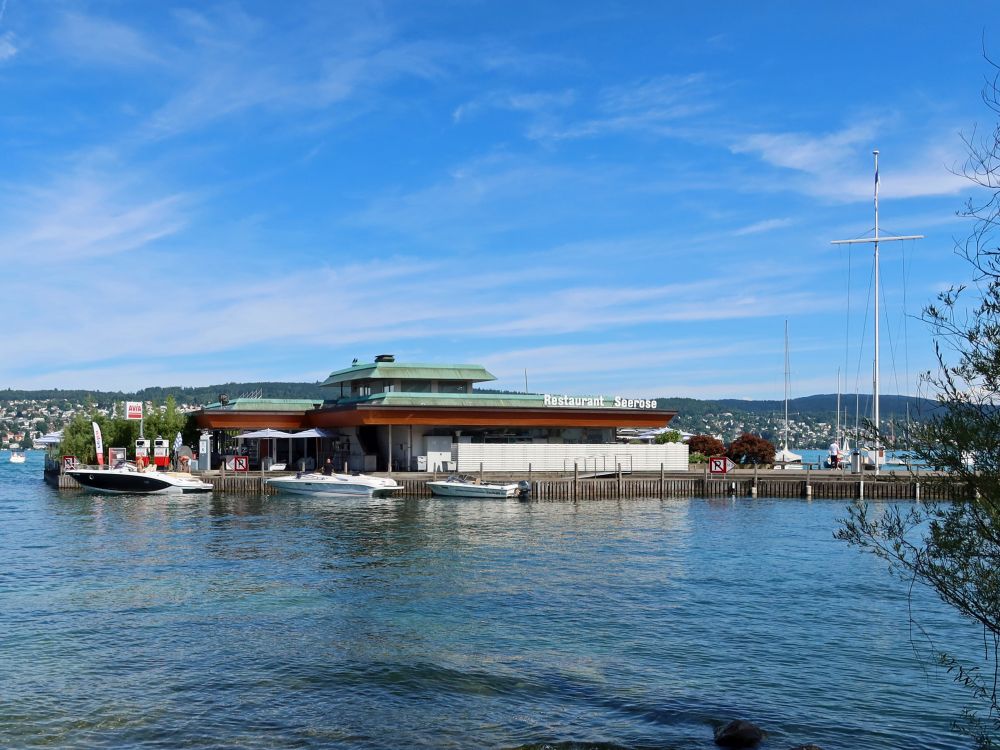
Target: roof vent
[{"x": 385, "y": 358}]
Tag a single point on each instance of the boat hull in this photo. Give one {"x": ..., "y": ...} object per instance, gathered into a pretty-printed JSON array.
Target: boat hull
[
  {"x": 336, "y": 485},
  {"x": 461, "y": 489},
  {"x": 136, "y": 482}
]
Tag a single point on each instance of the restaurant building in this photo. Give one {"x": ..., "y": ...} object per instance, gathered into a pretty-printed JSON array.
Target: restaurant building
[{"x": 387, "y": 415}]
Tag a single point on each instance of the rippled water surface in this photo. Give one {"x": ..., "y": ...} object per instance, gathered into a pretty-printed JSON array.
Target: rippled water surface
[{"x": 290, "y": 622}]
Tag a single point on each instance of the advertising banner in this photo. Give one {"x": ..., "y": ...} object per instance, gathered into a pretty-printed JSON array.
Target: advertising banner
[
  {"x": 98, "y": 443},
  {"x": 133, "y": 410}
]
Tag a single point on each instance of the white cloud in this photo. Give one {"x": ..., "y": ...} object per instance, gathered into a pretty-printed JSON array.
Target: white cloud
[
  {"x": 101, "y": 41},
  {"x": 535, "y": 102},
  {"x": 826, "y": 165},
  {"x": 651, "y": 106},
  {"x": 92, "y": 212},
  {"x": 7, "y": 46},
  {"x": 763, "y": 226}
]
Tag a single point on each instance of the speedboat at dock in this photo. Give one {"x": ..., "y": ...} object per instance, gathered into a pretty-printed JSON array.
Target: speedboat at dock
[
  {"x": 127, "y": 478},
  {"x": 336, "y": 484},
  {"x": 461, "y": 485}
]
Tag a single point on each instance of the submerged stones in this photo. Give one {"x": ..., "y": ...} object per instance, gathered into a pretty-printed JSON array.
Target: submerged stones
[{"x": 739, "y": 734}]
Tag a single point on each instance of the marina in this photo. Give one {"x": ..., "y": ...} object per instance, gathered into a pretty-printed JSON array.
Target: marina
[{"x": 745, "y": 483}]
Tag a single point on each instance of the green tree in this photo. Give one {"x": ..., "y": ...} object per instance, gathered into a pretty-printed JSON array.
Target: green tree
[
  {"x": 670, "y": 436},
  {"x": 954, "y": 547}
]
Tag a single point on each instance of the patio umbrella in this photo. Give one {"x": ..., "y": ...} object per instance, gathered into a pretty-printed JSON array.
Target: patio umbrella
[
  {"x": 317, "y": 433},
  {"x": 271, "y": 434}
]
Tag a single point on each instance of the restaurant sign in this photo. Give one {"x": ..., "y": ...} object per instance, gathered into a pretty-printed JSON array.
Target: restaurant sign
[{"x": 599, "y": 402}]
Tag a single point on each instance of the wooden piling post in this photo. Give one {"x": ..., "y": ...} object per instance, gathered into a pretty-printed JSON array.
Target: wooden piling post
[
  {"x": 753, "y": 489},
  {"x": 480, "y": 472},
  {"x": 661, "y": 480},
  {"x": 576, "y": 478},
  {"x": 704, "y": 482}
]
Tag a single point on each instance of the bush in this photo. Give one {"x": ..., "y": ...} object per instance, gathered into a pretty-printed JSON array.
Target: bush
[
  {"x": 697, "y": 458},
  {"x": 751, "y": 449}
]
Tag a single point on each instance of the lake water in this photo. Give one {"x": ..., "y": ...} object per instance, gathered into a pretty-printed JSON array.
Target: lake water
[{"x": 290, "y": 622}]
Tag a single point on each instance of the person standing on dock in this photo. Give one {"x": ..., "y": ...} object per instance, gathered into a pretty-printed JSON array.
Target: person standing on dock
[
  {"x": 328, "y": 466},
  {"x": 834, "y": 455}
]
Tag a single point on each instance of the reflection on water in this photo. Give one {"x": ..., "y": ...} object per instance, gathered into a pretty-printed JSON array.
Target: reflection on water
[{"x": 290, "y": 621}]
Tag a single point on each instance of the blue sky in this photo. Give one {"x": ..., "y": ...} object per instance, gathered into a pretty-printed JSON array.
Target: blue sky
[{"x": 619, "y": 198}]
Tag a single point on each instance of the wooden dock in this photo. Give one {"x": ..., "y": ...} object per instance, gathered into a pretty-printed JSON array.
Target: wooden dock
[{"x": 744, "y": 483}]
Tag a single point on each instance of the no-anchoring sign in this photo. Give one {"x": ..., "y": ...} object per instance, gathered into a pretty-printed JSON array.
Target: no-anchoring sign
[{"x": 720, "y": 465}]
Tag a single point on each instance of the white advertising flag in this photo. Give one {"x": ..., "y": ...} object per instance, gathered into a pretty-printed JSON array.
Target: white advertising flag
[{"x": 98, "y": 443}]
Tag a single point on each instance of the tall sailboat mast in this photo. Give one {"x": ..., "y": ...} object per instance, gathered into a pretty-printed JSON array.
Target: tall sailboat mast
[
  {"x": 875, "y": 370},
  {"x": 836, "y": 437},
  {"x": 787, "y": 376}
]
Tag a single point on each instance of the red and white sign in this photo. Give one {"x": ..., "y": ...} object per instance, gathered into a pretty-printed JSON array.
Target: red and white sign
[
  {"x": 98, "y": 443},
  {"x": 133, "y": 410},
  {"x": 241, "y": 463},
  {"x": 69, "y": 462},
  {"x": 720, "y": 465}
]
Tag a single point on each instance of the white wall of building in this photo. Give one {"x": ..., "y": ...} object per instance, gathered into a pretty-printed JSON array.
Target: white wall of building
[{"x": 561, "y": 457}]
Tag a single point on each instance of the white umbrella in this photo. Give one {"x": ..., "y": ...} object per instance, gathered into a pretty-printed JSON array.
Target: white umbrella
[
  {"x": 316, "y": 432},
  {"x": 267, "y": 432}
]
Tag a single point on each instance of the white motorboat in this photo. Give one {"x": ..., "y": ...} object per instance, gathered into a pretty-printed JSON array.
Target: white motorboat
[
  {"x": 466, "y": 486},
  {"x": 17, "y": 457},
  {"x": 336, "y": 484},
  {"x": 126, "y": 478}
]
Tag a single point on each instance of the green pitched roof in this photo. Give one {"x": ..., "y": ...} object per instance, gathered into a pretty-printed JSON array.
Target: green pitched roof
[
  {"x": 408, "y": 371},
  {"x": 267, "y": 404}
]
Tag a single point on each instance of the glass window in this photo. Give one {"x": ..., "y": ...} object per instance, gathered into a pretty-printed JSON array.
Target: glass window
[
  {"x": 453, "y": 387},
  {"x": 417, "y": 386}
]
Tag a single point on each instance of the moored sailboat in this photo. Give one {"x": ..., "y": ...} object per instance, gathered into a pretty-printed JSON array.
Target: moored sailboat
[{"x": 784, "y": 458}]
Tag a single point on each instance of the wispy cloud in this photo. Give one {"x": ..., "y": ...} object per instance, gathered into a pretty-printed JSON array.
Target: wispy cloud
[
  {"x": 91, "y": 212},
  {"x": 7, "y": 46},
  {"x": 763, "y": 226},
  {"x": 826, "y": 164},
  {"x": 102, "y": 41},
  {"x": 535, "y": 102},
  {"x": 652, "y": 106}
]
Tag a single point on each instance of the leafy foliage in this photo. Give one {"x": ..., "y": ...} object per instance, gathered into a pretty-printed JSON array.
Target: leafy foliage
[
  {"x": 955, "y": 547},
  {"x": 751, "y": 449},
  {"x": 706, "y": 445},
  {"x": 166, "y": 422},
  {"x": 670, "y": 436}
]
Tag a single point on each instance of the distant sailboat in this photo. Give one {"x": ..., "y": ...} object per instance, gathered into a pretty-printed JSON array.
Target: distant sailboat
[{"x": 785, "y": 457}]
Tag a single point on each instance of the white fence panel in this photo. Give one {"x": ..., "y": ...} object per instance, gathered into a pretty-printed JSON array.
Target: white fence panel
[{"x": 561, "y": 457}]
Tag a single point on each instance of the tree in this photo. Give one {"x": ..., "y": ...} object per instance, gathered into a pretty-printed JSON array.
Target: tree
[
  {"x": 955, "y": 547},
  {"x": 706, "y": 445},
  {"x": 670, "y": 436},
  {"x": 751, "y": 449}
]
